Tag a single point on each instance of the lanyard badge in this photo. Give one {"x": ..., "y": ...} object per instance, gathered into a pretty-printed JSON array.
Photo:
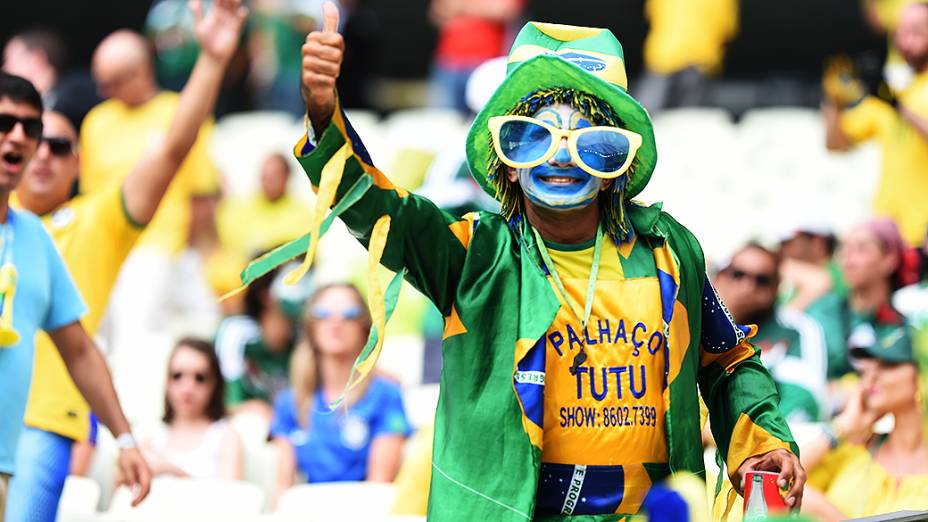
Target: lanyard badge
[
  {"x": 580, "y": 358},
  {"x": 8, "y": 278}
]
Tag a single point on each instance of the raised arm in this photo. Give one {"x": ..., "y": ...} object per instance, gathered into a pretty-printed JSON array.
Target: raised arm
[
  {"x": 218, "y": 35},
  {"x": 429, "y": 243}
]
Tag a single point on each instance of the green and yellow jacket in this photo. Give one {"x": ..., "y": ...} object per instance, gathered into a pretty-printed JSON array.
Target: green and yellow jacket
[{"x": 486, "y": 277}]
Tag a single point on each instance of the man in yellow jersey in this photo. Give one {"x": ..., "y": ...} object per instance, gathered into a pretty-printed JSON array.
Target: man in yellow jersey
[
  {"x": 901, "y": 130},
  {"x": 580, "y": 326},
  {"x": 267, "y": 218},
  {"x": 94, "y": 234},
  {"x": 114, "y": 137}
]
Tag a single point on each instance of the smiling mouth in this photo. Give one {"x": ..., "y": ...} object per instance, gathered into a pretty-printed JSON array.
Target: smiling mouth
[{"x": 560, "y": 180}]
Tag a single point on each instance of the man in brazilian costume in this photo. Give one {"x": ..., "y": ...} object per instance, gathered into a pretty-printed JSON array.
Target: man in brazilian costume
[{"x": 579, "y": 324}]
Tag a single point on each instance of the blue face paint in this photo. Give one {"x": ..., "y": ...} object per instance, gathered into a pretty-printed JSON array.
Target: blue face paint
[
  {"x": 541, "y": 189},
  {"x": 546, "y": 185}
]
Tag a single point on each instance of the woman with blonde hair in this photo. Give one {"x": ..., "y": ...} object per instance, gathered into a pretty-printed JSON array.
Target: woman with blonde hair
[{"x": 361, "y": 439}]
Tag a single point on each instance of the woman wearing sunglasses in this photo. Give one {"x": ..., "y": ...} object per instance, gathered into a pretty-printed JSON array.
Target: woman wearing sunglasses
[
  {"x": 361, "y": 439},
  {"x": 196, "y": 440},
  {"x": 577, "y": 322},
  {"x": 871, "y": 257}
]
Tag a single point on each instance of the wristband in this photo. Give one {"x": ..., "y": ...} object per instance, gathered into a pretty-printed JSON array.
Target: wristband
[{"x": 126, "y": 441}]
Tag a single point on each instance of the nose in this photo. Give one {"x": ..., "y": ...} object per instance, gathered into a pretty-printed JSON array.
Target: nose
[
  {"x": 17, "y": 133},
  {"x": 561, "y": 157},
  {"x": 43, "y": 151}
]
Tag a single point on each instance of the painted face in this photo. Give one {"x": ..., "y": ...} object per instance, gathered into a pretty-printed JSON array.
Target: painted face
[{"x": 559, "y": 184}]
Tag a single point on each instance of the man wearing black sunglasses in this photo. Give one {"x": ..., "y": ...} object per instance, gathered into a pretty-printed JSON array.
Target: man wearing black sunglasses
[
  {"x": 792, "y": 345},
  {"x": 95, "y": 234},
  {"x": 38, "y": 294}
]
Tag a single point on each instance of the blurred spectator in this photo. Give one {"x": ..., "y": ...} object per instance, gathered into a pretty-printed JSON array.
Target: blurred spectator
[
  {"x": 170, "y": 27},
  {"x": 221, "y": 266},
  {"x": 196, "y": 440},
  {"x": 867, "y": 473},
  {"x": 254, "y": 349},
  {"x": 869, "y": 256},
  {"x": 792, "y": 345},
  {"x": 807, "y": 268},
  {"x": 280, "y": 29},
  {"x": 470, "y": 33},
  {"x": 684, "y": 47},
  {"x": 362, "y": 439},
  {"x": 40, "y": 56},
  {"x": 883, "y": 16},
  {"x": 114, "y": 137},
  {"x": 912, "y": 302},
  {"x": 901, "y": 128},
  {"x": 269, "y": 218}
]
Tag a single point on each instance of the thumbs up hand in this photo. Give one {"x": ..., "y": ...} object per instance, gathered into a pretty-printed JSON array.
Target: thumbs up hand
[{"x": 323, "y": 53}]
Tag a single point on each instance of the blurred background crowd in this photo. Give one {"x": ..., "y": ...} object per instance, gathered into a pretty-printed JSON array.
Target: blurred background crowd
[{"x": 793, "y": 139}]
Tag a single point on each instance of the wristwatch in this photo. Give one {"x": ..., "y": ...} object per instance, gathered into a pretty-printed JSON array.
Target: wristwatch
[{"x": 126, "y": 441}]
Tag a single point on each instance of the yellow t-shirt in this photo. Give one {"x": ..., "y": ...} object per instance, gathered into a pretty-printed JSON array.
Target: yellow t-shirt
[
  {"x": 688, "y": 33},
  {"x": 903, "y": 186},
  {"x": 859, "y": 486},
  {"x": 257, "y": 224},
  {"x": 114, "y": 138},
  {"x": 94, "y": 235},
  {"x": 606, "y": 421}
]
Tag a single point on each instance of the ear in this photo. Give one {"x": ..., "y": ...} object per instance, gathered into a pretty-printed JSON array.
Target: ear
[
  {"x": 607, "y": 184},
  {"x": 891, "y": 262},
  {"x": 512, "y": 175}
]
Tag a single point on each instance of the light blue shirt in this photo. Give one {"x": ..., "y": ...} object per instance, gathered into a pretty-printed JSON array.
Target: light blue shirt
[{"x": 46, "y": 299}]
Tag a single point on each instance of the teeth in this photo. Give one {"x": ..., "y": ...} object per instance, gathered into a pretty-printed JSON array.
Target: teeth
[{"x": 559, "y": 179}]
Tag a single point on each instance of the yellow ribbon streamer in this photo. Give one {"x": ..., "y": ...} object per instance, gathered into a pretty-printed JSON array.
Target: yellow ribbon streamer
[
  {"x": 8, "y": 276},
  {"x": 375, "y": 300},
  {"x": 325, "y": 197}
]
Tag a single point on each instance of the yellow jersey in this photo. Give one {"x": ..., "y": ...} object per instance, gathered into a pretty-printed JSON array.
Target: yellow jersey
[
  {"x": 688, "y": 33},
  {"x": 903, "y": 185},
  {"x": 257, "y": 224},
  {"x": 94, "y": 234},
  {"x": 860, "y": 487},
  {"x": 115, "y": 137},
  {"x": 604, "y": 432}
]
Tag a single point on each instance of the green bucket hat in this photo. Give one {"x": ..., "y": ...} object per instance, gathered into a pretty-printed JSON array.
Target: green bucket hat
[{"x": 584, "y": 59}]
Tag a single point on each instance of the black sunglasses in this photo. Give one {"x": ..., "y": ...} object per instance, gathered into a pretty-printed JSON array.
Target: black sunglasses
[
  {"x": 200, "y": 378},
  {"x": 59, "y": 146},
  {"x": 761, "y": 280},
  {"x": 31, "y": 126}
]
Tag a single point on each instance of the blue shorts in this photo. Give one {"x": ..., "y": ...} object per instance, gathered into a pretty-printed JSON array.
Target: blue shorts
[{"x": 43, "y": 460}]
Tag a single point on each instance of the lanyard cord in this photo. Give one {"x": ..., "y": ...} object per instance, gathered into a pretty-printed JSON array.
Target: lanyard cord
[{"x": 590, "y": 289}]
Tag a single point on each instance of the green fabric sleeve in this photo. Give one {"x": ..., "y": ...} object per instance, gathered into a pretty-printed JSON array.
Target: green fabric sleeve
[
  {"x": 745, "y": 388},
  {"x": 420, "y": 239}
]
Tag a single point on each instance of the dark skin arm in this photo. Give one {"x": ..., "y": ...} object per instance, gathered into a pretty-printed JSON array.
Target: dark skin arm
[
  {"x": 792, "y": 475},
  {"x": 89, "y": 372}
]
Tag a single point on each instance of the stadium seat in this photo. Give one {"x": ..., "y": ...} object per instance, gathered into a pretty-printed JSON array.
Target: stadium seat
[
  {"x": 173, "y": 499},
  {"x": 421, "y": 403},
  {"x": 336, "y": 501},
  {"x": 79, "y": 498}
]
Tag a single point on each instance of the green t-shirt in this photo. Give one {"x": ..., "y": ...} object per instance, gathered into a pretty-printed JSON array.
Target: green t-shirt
[
  {"x": 793, "y": 350},
  {"x": 845, "y": 328},
  {"x": 251, "y": 370}
]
